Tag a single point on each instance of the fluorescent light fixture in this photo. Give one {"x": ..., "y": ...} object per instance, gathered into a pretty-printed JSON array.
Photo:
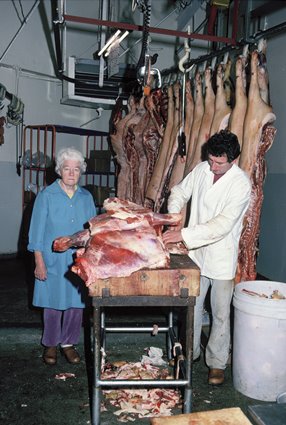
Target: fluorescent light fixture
[
  {"x": 125, "y": 34},
  {"x": 108, "y": 43},
  {"x": 117, "y": 41}
]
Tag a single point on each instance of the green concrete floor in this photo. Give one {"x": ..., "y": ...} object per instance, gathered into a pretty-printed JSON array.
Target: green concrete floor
[{"x": 30, "y": 394}]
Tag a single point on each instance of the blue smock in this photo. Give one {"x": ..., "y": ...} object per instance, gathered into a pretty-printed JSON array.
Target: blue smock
[{"x": 54, "y": 215}]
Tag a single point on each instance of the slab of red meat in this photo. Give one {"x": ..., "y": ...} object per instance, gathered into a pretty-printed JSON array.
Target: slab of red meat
[{"x": 119, "y": 242}]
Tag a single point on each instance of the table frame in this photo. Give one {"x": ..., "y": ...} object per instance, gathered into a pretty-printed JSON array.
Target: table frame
[{"x": 99, "y": 303}]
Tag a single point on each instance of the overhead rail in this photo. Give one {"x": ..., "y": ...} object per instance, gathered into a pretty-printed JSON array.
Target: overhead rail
[
  {"x": 162, "y": 31},
  {"x": 252, "y": 40}
]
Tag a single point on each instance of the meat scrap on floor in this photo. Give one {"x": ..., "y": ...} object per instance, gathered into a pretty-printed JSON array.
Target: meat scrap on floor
[{"x": 132, "y": 404}]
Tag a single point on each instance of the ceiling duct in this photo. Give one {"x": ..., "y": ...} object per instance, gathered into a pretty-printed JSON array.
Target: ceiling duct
[{"x": 85, "y": 90}]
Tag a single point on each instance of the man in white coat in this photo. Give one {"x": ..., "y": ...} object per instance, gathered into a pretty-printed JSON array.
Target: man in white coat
[{"x": 220, "y": 193}]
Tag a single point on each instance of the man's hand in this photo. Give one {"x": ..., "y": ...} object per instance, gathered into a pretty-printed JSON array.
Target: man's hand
[
  {"x": 172, "y": 236},
  {"x": 177, "y": 227}
]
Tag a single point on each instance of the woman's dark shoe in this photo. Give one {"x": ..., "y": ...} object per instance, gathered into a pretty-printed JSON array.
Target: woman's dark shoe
[
  {"x": 71, "y": 354},
  {"x": 50, "y": 355}
]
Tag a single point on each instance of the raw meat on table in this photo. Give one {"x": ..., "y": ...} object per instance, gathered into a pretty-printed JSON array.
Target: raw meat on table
[{"x": 119, "y": 242}]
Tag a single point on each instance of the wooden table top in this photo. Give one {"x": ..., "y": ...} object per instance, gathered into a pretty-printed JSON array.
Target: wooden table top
[{"x": 182, "y": 273}]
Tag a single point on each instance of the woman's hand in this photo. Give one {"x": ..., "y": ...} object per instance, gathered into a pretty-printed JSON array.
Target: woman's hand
[
  {"x": 172, "y": 236},
  {"x": 40, "y": 271}
]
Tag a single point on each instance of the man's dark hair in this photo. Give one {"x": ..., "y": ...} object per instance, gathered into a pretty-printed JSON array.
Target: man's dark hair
[{"x": 222, "y": 143}]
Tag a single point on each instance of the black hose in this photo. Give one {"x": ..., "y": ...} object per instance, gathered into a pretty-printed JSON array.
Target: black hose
[
  {"x": 146, "y": 8},
  {"x": 57, "y": 35}
]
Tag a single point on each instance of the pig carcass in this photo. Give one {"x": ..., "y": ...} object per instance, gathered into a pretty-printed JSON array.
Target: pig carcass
[
  {"x": 119, "y": 242},
  {"x": 258, "y": 137}
]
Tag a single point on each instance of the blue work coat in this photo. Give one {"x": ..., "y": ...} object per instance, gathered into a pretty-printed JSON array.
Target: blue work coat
[{"x": 54, "y": 215}]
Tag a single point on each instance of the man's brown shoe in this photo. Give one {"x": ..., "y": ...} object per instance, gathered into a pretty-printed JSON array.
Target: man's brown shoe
[
  {"x": 216, "y": 376},
  {"x": 71, "y": 354},
  {"x": 50, "y": 355}
]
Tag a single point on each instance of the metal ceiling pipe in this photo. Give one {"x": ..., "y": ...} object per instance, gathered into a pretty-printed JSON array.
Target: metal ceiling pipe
[{"x": 104, "y": 9}]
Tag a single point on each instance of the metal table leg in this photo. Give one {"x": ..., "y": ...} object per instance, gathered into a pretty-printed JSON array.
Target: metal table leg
[
  {"x": 102, "y": 329},
  {"x": 169, "y": 341},
  {"x": 97, "y": 369},
  {"x": 188, "y": 361}
]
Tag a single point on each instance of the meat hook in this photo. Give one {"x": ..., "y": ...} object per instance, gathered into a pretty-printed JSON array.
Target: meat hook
[
  {"x": 187, "y": 49},
  {"x": 245, "y": 50},
  {"x": 225, "y": 58},
  {"x": 204, "y": 66},
  {"x": 185, "y": 57},
  {"x": 145, "y": 72}
]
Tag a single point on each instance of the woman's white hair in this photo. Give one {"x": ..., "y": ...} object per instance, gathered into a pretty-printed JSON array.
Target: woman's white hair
[{"x": 69, "y": 153}]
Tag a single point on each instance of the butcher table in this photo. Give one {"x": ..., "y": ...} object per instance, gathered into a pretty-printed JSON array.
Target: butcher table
[{"x": 176, "y": 286}]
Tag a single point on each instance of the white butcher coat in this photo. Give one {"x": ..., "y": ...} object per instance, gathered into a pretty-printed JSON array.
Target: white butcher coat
[{"x": 216, "y": 217}]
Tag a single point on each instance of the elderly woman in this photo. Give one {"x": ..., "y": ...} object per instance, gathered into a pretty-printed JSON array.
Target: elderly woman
[{"x": 60, "y": 209}]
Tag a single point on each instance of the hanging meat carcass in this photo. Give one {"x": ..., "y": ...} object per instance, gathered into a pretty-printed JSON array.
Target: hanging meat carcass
[
  {"x": 179, "y": 166},
  {"x": 152, "y": 137},
  {"x": 222, "y": 109},
  {"x": 206, "y": 122},
  {"x": 119, "y": 242},
  {"x": 228, "y": 82},
  {"x": 172, "y": 151},
  {"x": 258, "y": 114},
  {"x": 258, "y": 137},
  {"x": 236, "y": 120},
  {"x": 189, "y": 114},
  {"x": 136, "y": 140},
  {"x": 197, "y": 119},
  {"x": 155, "y": 180},
  {"x": 120, "y": 124},
  {"x": 143, "y": 140},
  {"x": 135, "y": 153},
  {"x": 262, "y": 77},
  {"x": 202, "y": 119}
]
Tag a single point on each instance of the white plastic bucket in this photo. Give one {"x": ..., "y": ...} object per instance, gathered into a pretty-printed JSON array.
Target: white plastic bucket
[
  {"x": 281, "y": 398},
  {"x": 259, "y": 341}
]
